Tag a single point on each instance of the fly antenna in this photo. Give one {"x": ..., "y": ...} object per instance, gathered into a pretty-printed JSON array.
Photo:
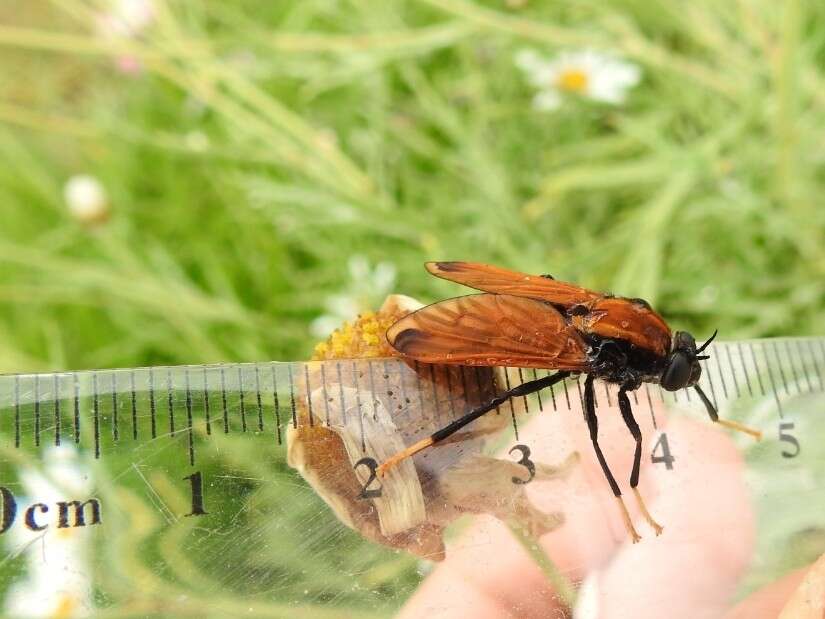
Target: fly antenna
[{"x": 705, "y": 345}]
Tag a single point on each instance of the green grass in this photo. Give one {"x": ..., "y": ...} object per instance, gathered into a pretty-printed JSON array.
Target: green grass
[{"x": 401, "y": 131}]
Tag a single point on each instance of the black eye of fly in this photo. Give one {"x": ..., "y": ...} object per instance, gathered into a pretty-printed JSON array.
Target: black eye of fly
[{"x": 677, "y": 374}]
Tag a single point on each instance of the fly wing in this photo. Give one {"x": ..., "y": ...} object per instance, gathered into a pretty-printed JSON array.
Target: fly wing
[
  {"x": 501, "y": 281},
  {"x": 490, "y": 329}
]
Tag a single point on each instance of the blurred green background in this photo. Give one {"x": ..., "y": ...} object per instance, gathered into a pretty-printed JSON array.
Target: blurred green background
[{"x": 272, "y": 168}]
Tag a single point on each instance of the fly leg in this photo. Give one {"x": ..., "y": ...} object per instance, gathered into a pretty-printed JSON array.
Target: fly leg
[
  {"x": 593, "y": 426},
  {"x": 728, "y": 423},
  {"x": 630, "y": 422},
  {"x": 450, "y": 429}
]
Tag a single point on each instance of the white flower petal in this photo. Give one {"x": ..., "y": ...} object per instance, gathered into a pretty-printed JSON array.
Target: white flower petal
[
  {"x": 626, "y": 74},
  {"x": 547, "y": 100},
  {"x": 528, "y": 60},
  {"x": 539, "y": 71},
  {"x": 343, "y": 306},
  {"x": 324, "y": 325},
  {"x": 126, "y": 18},
  {"x": 58, "y": 581},
  {"x": 359, "y": 267},
  {"x": 588, "y": 72},
  {"x": 607, "y": 92},
  {"x": 383, "y": 277}
]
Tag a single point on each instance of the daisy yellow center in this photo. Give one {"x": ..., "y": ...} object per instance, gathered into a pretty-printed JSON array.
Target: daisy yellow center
[
  {"x": 65, "y": 608},
  {"x": 572, "y": 80}
]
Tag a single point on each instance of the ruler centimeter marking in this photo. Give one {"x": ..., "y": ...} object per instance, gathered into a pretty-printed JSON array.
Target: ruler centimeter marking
[
  {"x": 434, "y": 384},
  {"x": 650, "y": 406},
  {"x": 57, "y": 410},
  {"x": 538, "y": 393},
  {"x": 225, "y": 409},
  {"x": 308, "y": 395},
  {"x": 341, "y": 393},
  {"x": 722, "y": 379},
  {"x": 553, "y": 396},
  {"x": 152, "y": 410},
  {"x": 96, "y": 408},
  {"x": 324, "y": 391},
  {"x": 258, "y": 402},
  {"x": 726, "y": 348},
  {"x": 276, "y": 404},
  {"x": 241, "y": 402},
  {"x": 37, "y": 410},
  {"x": 373, "y": 399},
  {"x": 524, "y": 398},
  {"x": 170, "y": 401},
  {"x": 189, "y": 418},
  {"x": 405, "y": 401},
  {"x": 115, "y": 431},
  {"x": 292, "y": 396},
  {"x": 133, "y": 399},
  {"x": 447, "y": 374},
  {"x": 510, "y": 402},
  {"x": 206, "y": 411},
  {"x": 816, "y": 365},
  {"x": 358, "y": 406},
  {"x": 417, "y": 367},
  {"x": 76, "y": 400}
]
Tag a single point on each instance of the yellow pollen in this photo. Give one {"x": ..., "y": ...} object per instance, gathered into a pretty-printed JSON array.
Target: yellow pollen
[
  {"x": 572, "y": 80},
  {"x": 65, "y": 608}
]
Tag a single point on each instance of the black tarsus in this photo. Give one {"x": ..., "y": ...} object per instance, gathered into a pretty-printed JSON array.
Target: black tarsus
[
  {"x": 593, "y": 426},
  {"x": 714, "y": 416},
  {"x": 521, "y": 390},
  {"x": 630, "y": 422}
]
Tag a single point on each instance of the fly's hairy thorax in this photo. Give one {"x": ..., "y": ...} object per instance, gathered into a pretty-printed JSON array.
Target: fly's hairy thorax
[{"x": 619, "y": 361}]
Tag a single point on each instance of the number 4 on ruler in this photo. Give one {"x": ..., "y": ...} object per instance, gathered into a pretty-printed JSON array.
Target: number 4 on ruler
[{"x": 665, "y": 457}]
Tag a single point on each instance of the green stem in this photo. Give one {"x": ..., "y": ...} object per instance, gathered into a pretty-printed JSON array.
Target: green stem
[{"x": 561, "y": 585}]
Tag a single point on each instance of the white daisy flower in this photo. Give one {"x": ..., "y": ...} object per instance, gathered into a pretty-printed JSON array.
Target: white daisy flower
[
  {"x": 587, "y": 73},
  {"x": 58, "y": 579},
  {"x": 126, "y": 19},
  {"x": 366, "y": 288},
  {"x": 86, "y": 199}
]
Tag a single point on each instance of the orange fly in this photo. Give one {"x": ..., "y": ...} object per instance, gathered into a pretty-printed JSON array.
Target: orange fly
[{"x": 534, "y": 321}]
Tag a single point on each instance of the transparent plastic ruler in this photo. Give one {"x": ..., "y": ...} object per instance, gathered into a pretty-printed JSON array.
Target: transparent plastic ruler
[{"x": 174, "y": 484}]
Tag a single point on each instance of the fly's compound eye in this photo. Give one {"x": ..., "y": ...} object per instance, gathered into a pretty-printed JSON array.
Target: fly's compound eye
[{"x": 678, "y": 372}]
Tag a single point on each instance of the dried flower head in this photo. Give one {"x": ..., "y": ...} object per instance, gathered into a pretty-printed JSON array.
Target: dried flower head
[{"x": 378, "y": 415}]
